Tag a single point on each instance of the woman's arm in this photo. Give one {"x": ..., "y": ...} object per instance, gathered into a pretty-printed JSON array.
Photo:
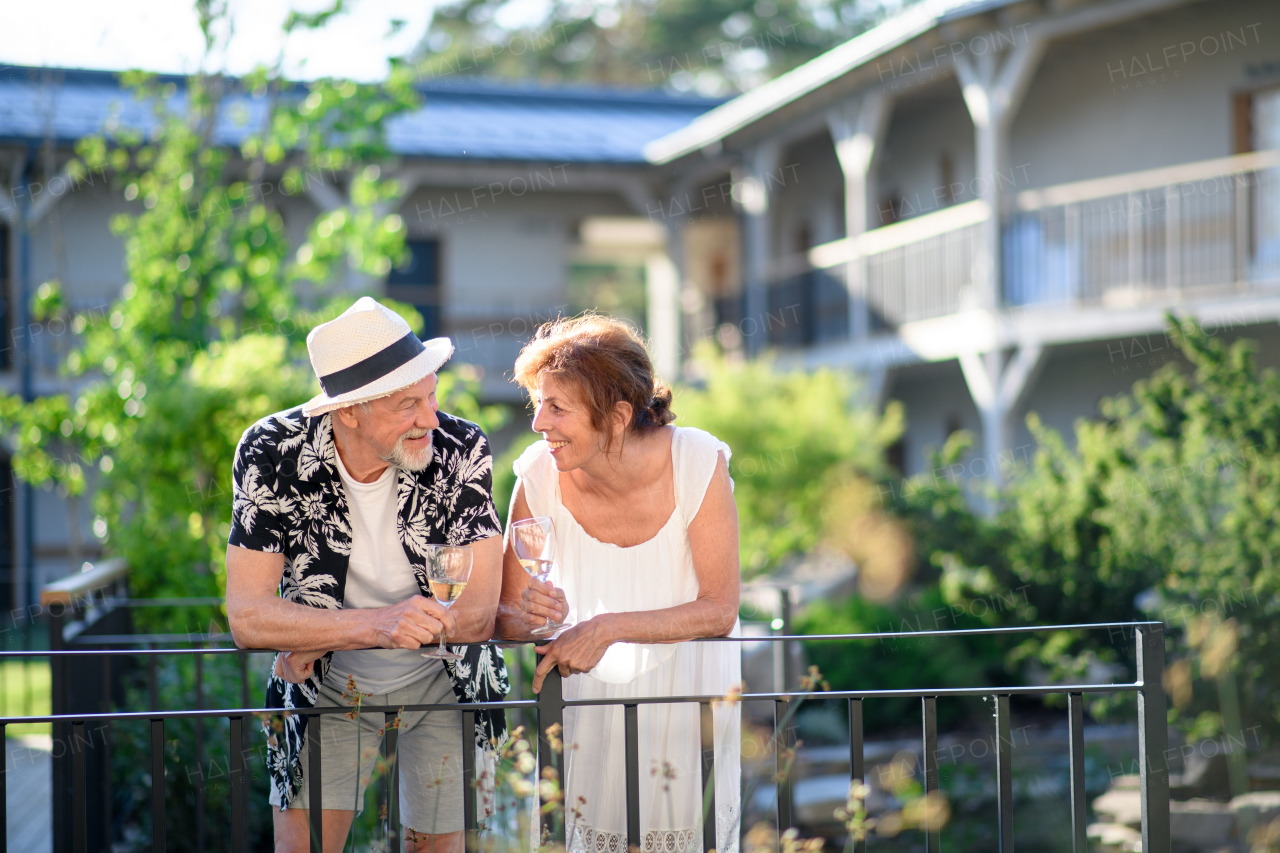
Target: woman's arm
[
  {"x": 525, "y": 603},
  {"x": 713, "y": 541}
]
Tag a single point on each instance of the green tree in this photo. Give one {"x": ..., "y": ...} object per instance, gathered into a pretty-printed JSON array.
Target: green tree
[
  {"x": 205, "y": 337},
  {"x": 1163, "y": 509},
  {"x": 715, "y": 46},
  {"x": 805, "y": 456}
]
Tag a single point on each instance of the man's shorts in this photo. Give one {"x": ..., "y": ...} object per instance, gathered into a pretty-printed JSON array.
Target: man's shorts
[{"x": 430, "y": 755}]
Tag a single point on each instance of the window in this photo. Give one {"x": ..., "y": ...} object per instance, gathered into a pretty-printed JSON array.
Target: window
[{"x": 417, "y": 282}]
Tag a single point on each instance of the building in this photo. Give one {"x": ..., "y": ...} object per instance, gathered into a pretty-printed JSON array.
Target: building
[
  {"x": 987, "y": 208},
  {"x": 984, "y": 208}
]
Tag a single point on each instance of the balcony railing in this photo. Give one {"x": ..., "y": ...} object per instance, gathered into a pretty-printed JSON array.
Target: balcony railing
[
  {"x": 1199, "y": 229},
  {"x": 1196, "y": 229},
  {"x": 83, "y": 777}
]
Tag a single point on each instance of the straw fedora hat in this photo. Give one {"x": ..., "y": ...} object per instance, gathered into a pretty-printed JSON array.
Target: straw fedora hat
[{"x": 368, "y": 352}]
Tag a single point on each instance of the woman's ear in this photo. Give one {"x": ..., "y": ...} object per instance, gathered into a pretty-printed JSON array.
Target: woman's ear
[{"x": 621, "y": 417}]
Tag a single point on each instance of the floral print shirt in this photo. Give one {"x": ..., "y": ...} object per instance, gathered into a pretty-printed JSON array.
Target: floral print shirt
[{"x": 288, "y": 498}]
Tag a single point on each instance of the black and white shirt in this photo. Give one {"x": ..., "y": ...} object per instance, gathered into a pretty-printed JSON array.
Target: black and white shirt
[{"x": 288, "y": 498}]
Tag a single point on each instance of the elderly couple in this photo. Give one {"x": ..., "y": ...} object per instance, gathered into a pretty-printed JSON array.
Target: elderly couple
[{"x": 334, "y": 503}]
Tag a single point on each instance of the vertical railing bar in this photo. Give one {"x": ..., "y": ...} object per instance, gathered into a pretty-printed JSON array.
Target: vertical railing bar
[
  {"x": 105, "y": 728},
  {"x": 1172, "y": 237},
  {"x": 631, "y": 738},
  {"x": 1079, "y": 806},
  {"x": 79, "y": 791},
  {"x": 470, "y": 824},
  {"x": 707, "y": 719},
  {"x": 391, "y": 744},
  {"x": 1153, "y": 739},
  {"x": 929, "y": 709},
  {"x": 782, "y": 757},
  {"x": 4, "y": 796},
  {"x": 239, "y": 842},
  {"x": 201, "y": 791},
  {"x": 1240, "y": 185},
  {"x": 315, "y": 784},
  {"x": 551, "y": 713},
  {"x": 1004, "y": 777},
  {"x": 157, "y": 786},
  {"x": 857, "y": 758}
]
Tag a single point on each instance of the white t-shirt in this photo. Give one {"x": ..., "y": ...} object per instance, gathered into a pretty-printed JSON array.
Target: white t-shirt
[{"x": 379, "y": 574}]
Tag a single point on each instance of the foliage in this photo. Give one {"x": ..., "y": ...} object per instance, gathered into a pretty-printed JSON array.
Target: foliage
[
  {"x": 205, "y": 336},
  {"x": 910, "y": 662},
  {"x": 1164, "y": 509},
  {"x": 797, "y": 440},
  {"x": 716, "y": 47}
]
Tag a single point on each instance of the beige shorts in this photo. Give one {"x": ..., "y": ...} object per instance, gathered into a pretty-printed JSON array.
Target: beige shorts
[{"x": 429, "y": 748}]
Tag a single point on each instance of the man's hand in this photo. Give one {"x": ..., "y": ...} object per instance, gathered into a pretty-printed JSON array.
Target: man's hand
[
  {"x": 296, "y": 667},
  {"x": 411, "y": 624},
  {"x": 541, "y": 602}
]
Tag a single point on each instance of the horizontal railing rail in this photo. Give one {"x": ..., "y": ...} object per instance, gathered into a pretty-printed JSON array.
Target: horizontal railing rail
[{"x": 548, "y": 709}]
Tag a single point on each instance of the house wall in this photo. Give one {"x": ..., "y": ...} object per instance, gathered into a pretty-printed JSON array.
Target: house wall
[
  {"x": 926, "y": 129},
  {"x": 1091, "y": 111}
]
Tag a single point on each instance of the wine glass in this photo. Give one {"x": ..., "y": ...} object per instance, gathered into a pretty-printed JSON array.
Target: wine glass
[
  {"x": 535, "y": 545},
  {"x": 448, "y": 570}
]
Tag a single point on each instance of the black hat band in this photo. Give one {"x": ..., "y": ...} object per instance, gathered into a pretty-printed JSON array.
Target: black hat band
[{"x": 372, "y": 368}]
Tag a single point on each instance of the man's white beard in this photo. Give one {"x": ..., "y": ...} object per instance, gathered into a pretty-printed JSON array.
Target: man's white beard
[{"x": 410, "y": 460}]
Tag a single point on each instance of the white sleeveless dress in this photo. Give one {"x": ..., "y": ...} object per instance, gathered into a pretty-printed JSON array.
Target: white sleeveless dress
[{"x": 598, "y": 577}]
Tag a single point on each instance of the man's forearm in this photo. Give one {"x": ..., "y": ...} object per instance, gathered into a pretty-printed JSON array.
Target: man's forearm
[{"x": 289, "y": 627}]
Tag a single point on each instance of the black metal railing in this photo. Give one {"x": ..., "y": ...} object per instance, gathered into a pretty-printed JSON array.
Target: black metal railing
[{"x": 548, "y": 710}]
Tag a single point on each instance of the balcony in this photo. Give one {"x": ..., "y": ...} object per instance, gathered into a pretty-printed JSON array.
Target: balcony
[{"x": 1159, "y": 238}]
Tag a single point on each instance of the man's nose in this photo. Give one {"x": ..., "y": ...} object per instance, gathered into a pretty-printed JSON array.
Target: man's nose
[{"x": 427, "y": 417}]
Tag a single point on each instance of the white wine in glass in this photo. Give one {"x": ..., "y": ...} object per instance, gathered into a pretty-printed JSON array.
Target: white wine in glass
[
  {"x": 448, "y": 570},
  {"x": 534, "y": 542}
]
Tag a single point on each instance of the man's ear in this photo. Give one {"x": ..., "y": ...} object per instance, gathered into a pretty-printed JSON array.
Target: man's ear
[{"x": 347, "y": 414}]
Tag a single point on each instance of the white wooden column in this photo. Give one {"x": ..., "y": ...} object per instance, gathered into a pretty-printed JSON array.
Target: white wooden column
[
  {"x": 857, "y": 128},
  {"x": 993, "y": 87},
  {"x": 751, "y": 193},
  {"x": 999, "y": 390}
]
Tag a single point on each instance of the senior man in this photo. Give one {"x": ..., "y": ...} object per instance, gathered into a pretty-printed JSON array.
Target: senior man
[{"x": 333, "y": 503}]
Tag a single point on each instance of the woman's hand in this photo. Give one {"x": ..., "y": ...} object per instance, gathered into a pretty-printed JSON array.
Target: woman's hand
[
  {"x": 540, "y": 602},
  {"x": 578, "y": 649},
  {"x": 296, "y": 667}
]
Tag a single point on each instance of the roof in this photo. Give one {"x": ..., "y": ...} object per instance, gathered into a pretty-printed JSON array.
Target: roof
[
  {"x": 744, "y": 110},
  {"x": 461, "y": 119},
  {"x": 763, "y": 100}
]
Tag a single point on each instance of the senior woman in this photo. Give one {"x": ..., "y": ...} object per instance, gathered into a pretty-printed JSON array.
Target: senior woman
[{"x": 647, "y": 557}]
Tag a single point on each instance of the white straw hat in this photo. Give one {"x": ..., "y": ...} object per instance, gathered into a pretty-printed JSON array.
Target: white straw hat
[{"x": 367, "y": 352}]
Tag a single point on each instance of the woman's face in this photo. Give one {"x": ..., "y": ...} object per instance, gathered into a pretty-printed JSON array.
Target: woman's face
[{"x": 565, "y": 423}]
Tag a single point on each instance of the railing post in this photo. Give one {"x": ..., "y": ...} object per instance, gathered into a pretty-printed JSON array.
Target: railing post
[
  {"x": 1004, "y": 775},
  {"x": 157, "y": 786},
  {"x": 932, "y": 838},
  {"x": 470, "y": 824},
  {"x": 1153, "y": 739},
  {"x": 391, "y": 760},
  {"x": 239, "y": 838},
  {"x": 79, "y": 790},
  {"x": 1079, "y": 805},
  {"x": 631, "y": 739},
  {"x": 551, "y": 713},
  {"x": 784, "y": 756},
  {"x": 62, "y": 783},
  {"x": 315, "y": 784},
  {"x": 4, "y": 798},
  {"x": 708, "y": 727},
  {"x": 857, "y": 771}
]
